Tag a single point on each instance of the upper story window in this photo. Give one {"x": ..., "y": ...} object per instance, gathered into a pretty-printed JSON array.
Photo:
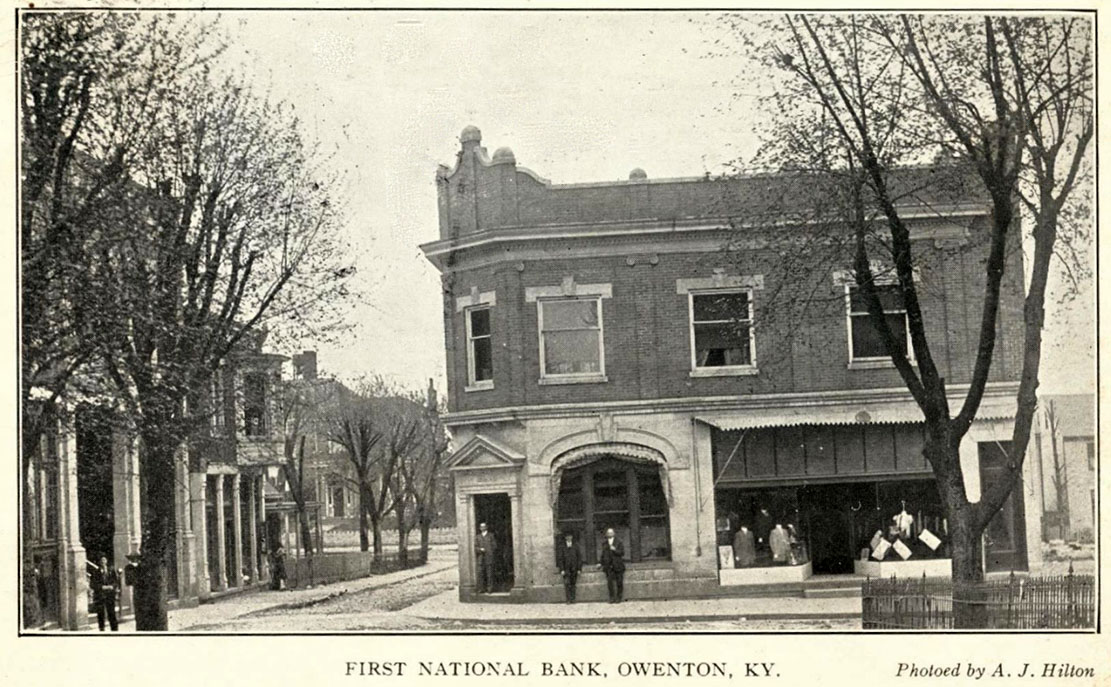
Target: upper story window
[
  {"x": 254, "y": 404},
  {"x": 217, "y": 422},
  {"x": 571, "y": 340},
  {"x": 722, "y": 338},
  {"x": 480, "y": 354},
  {"x": 865, "y": 343}
]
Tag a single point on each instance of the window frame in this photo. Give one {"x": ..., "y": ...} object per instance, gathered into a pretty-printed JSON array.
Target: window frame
[
  {"x": 571, "y": 377},
  {"x": 722, "y": 370},
  {"x": 874, "y": 361},
  {"x": 589, "y": 541},
  {"x": 474, "y": 384}
]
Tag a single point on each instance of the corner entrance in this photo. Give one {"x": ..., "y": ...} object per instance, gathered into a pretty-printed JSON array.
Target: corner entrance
[{"x": 495, "y": 511}]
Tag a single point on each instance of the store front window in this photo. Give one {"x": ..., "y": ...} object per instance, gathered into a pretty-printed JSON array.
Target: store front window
[
  {"x": 614, "y": 493},
  {"x": 832, "y": 524}
]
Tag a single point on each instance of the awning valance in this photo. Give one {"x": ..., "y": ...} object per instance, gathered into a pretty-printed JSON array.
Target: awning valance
[
  {"x": 584, "y": 455},
  {"x": 886, "y": 412}
]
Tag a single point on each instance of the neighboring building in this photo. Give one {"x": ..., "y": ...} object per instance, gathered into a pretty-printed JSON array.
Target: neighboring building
[
  {"x": 86, "y": 493},
  {"x": 1064, "y": 443},
  {"x": 610, "y": 366}
]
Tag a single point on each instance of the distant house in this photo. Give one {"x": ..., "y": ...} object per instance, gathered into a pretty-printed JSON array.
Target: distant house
[
  {"x": 609, "y": 366},
  {"x": 1064, "y": 443}
]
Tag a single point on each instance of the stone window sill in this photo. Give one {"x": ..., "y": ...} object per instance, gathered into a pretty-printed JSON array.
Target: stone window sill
[
  {"x": 873, "y": 364},
  {"x": 586, "y": 379},
  {"x": 485, "y": 385},
  {"x": 745, "y": 371}
]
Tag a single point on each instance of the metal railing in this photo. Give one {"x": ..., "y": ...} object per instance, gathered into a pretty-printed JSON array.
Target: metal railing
[{"x": 1018, "y": 602}]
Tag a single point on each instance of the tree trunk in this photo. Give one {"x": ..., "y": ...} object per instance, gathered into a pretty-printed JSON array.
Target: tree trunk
[
  {"x": 157, "y": 465},
  {"x": 425, "y": 527},
  {"x": 364, "y": 507},
  {"x": 376, "y": 531},
  {"x": 965, "y": 550},
  {"x": 402, "y": 536}
]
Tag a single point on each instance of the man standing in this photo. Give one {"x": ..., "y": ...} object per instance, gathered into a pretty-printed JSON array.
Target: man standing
[
  {"x": 105, "y": 582},
  {"x": 484, "y": 548},
  {"x": 613, "y": 564},
  {"x": 570, "y": 563}
]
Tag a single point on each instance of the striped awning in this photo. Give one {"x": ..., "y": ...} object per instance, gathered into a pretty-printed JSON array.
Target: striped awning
[{"x": 880, "y": 413}]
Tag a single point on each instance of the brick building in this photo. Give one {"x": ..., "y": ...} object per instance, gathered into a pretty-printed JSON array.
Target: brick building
[
  {"x": 85, "y": 484},
  {"x": 610, "y": 365}
]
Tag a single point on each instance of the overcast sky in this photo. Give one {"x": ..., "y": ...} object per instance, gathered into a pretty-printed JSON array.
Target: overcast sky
[{"x": 577, "y": 96}]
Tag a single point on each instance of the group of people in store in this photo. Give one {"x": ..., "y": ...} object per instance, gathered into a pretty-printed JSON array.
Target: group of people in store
[{"x": 766, "y": 541}]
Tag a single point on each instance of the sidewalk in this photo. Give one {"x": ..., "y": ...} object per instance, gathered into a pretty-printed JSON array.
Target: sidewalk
[
  {"x": 447, "y": 607},
  {"x": 263, "y": 600}
]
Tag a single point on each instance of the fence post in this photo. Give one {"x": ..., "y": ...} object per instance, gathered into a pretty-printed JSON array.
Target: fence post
[{"x": 1071, "y": 609}]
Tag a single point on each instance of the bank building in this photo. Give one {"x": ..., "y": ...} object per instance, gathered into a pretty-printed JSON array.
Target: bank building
[{"x": 610, "y": 364}]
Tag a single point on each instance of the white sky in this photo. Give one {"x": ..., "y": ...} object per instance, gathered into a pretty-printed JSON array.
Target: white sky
[{"x": 577, "y": 96}]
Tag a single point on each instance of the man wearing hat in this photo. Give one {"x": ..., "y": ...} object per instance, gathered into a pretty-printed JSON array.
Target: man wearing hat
[{"x": 570, "y": 562}]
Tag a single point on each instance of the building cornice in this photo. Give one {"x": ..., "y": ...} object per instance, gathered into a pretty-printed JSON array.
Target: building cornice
[
  {"x": 705, "y": 404},
  {"x": 691, "y": 228}
]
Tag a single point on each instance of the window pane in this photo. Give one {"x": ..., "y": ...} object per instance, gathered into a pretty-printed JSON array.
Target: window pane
[
  {"x": 571, "y": 352},
  {"x": 653, "y": 538},
  {"x": 611, "y": 491},
  {"x": 483, "y": 360},
  {"x": 571, "y": 498},
  {"x": 891, "y": 298},
  {"x": 720, "y": 306},
  {"x": 716, "y": 345},
  {"x": 480, "y": 322},
  {"x": 652, "y": 501},
  {"x": 866, "y": 340},
  {"x": 579, "y": 314}
]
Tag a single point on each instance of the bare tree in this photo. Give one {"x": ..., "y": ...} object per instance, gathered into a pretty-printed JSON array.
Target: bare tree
[
  {"x": 222, "y": 225},
  {"x": 1005, "y": 101},
  {"x": 1060, "y": 476},
  {"x": 424, "y": 473}
]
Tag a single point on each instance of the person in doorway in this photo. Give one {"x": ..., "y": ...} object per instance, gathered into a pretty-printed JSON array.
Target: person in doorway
[
  {"x": 484, "y": 548},
  {"x": 105, "y": 582},
  {"x": 613, "y": 564},
  {"x": 570, "y": 563}
]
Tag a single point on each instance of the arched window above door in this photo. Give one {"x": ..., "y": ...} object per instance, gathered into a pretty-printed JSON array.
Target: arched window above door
[{"x": 611, "y": 492}]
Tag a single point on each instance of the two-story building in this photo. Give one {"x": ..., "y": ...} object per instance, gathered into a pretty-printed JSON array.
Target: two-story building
[
  {"x": 85, "y": 484},
  {"x": 617, "y": 356}
]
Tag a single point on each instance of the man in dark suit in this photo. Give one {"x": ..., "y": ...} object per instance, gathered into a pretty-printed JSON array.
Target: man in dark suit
[
  {"x": 570, "y": 563},
  {"x": 484, "y": 548},
  {"x": 613, "y": 564},
  {"x": 105, "y": 582}
]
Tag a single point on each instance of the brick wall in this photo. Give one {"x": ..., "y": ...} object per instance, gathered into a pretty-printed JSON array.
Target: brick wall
[{"x": 647, "y": 342}]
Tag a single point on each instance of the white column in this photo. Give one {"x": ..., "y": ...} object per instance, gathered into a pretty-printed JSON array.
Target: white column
[
  {"x": 73, "y": 602},
  {"x": 237, "y": 533},
  {"x": 186, "y": 540},
  {"x": 198, "y": 492},
  {"x": 252, "y": 530},
  {"x": 221, "y": 539},
  {"x": 122, "y": 494},
  {"x": 285, "y": 536},
  {"x": 264, "y": 566}
]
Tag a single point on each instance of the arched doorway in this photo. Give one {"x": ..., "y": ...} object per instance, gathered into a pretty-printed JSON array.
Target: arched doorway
[{"x": 626, "y": 488}]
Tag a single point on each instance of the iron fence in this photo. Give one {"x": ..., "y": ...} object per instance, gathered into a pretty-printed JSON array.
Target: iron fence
[{"x": 1018, "y": 602}]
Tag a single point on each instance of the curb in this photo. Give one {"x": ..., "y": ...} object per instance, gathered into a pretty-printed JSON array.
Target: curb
[{"x": 627, "y": 620}]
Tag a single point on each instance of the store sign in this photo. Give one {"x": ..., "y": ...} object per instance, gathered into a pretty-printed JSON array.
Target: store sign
[
  {"x": 929, "y": 539},
  {"x": 880, "y": 550},
  {"x": 902, "y": 549}
]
